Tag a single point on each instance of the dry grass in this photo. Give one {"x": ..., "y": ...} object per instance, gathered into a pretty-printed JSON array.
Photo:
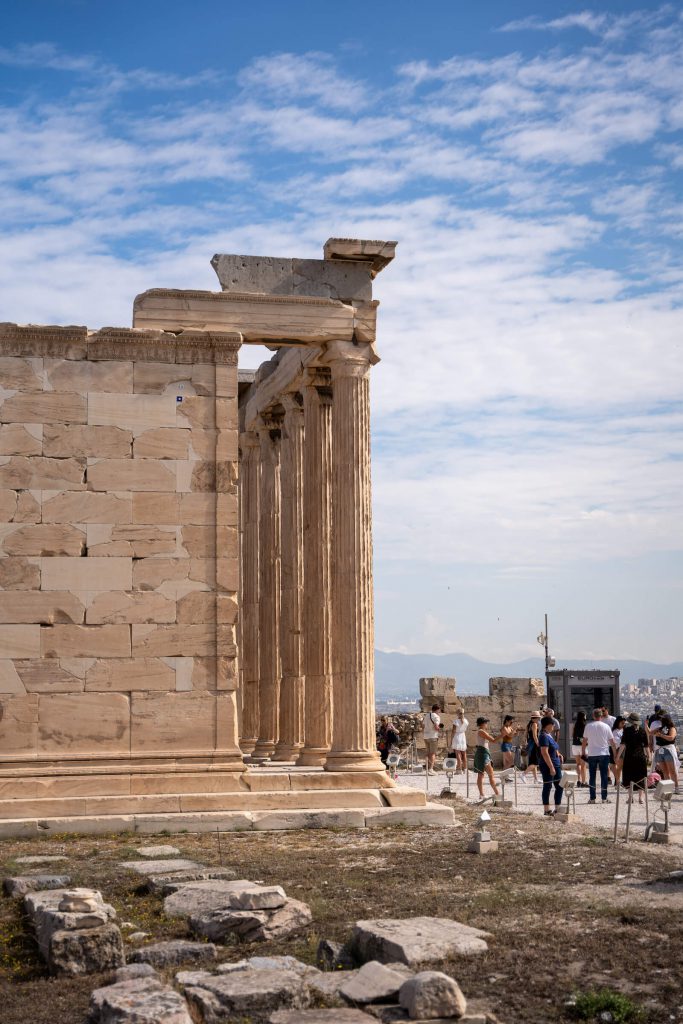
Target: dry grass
[{"x": 561, "y": 923}]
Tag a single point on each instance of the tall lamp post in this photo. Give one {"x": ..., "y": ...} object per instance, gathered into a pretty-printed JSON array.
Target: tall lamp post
[{"x": 542, "y": 638}]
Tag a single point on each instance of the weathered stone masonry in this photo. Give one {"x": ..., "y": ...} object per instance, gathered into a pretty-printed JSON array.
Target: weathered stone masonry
[{"x": 128, "y": 559}]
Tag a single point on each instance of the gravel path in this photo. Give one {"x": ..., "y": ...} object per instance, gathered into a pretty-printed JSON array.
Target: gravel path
[{"x": 598, "y": 815}]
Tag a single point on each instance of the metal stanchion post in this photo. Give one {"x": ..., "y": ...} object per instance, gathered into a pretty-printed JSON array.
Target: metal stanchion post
[
  {"x": 628, "y": 813},
  {"x": 616, "y": 816}
]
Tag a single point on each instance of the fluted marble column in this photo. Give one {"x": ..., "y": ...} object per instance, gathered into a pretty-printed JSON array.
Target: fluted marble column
[
  {"x": 317, "y": 569},
  {"x": 353, "y": 685},
  {"x": 249, "y": 486},
  {"x": 269, "y": 588},
  {"x": 291, "y": 738}
]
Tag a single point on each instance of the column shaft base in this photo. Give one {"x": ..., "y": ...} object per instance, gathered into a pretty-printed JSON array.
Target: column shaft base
[
  {"x": 247, "y": 746},
  {"x": 264, "y": 748},
  {"x": 314, "y": 757},
  {"x": 287, "y": 752},
  {"x": 353, "y": 761}
]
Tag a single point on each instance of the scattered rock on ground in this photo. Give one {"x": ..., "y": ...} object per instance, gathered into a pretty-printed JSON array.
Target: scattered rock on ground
[
  {"x": 415, "y": 940},
  {"x": 160, "y": 867},
  {"x": 157, "y": 852},
  {"x": 328, "y": 984},
  {"x": 252, "y": 925},
  {"x": 244, "y": 993},
  {"x": 173, "y": 952},
  {"x": 432, "y": 994},
  {"x": 164, "y": 885},
  {"x": 140, "y": 1001},
  {"x": 196, "y": 898},
  {"x": 333, "y": 956},
  {"x": 258, "y": 897},
  {"x": 319, "y": 1017},
  {"x": 130, "y": 971},
  {"x": 21, "y": 884},
  {"x": 73, "y": 942},
  {"x": 42, "y": 859},
  {"x": 374, "y": 983}
]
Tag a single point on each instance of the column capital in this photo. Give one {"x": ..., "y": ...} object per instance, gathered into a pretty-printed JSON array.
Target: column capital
[
  {"x": 349, "y": 358},
  {"x": 249, "y": 439},
  {"x": 315, "y": 377},
  {"x": 292, "y": 402}
]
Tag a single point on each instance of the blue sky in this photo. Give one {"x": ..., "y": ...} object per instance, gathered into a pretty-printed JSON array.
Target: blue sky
[{"x": 528, "y": 158}]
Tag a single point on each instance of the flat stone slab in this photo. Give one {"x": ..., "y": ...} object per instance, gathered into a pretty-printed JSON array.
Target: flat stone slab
[
  {"x": 195, "y": 898},
  {"x": 336, "y": 1016},
  {"x": 415, "y": 940},
  {"x": 138, "y": 1001},
  {"x": 373, "y": 983},
  {"x": 161, "y": 867},
  {"x": 166, "y": 884},
  {"x": 273, "y": 963},
  {"x": 173, "y": 953},
  {"x": 245, "y": 993},
  {"x": 22, "y": 884},
  {"x": 158, "y": 852},
  {"x": 40, "y": 859}
]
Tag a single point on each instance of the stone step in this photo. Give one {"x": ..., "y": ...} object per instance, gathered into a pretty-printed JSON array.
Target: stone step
[
  {"x": 276, "y": 819},
  {"x": 178, "y": 803}
]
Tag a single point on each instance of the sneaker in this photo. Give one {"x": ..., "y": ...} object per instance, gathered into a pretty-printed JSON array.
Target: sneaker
[
  {"x": 592, "y": 801},
  {"x": 605, "y": 800}
]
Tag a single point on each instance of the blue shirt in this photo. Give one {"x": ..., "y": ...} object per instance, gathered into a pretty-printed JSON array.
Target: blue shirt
[{"x": 546, "y": 740}]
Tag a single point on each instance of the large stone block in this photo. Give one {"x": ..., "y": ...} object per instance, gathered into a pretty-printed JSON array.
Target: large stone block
[
  {"x": 132, "y": 412},
  {"x": 200, "y": 541},
  {"x": 96, "y": 442},
  {"x": 45, "y": 539},
  {"x": 19, "y": 641},
  {"x": 19, "y": 724},
  {"x": 10, "y": 681},
  {"x": 197, "y": 606},
  {"x": 83, "y": 723},
  {"x": 131, "y": 475},
  {"x": 18, "y": 507},
  {"x": 85, "y": 641},
  {"x": 240, "y": 995},
  {"x": 44, "y": 407},
  {"x": 19, "y": 374},
  {"x": 162, "y": 443},
  {"x": 174, "y": 575},
  {"x": 156, "y": 507},
  {"x": 203, "y": 444},
  {"x": 84, "y": 375},
  {"x": 197, "y": 412},
  {"x": 89, "y": 507},
  {"x": 39, "y": 474},
  {"x": 19, "y": 573},
  {"x": 138, "y": 1001},
  {"x": 21, "y": 439},
  {"x": 199, "y": 509},
  {"x": 37, "y": 606},
  {"x": 132, "y": 539},
  {"x": 91, "y": 574},
  {"x": 127, "y": 674},
  {"x": 172, "y": 721},
  {"x": 172, "y": 378},
  {"x": 49, "y": 676},
  {"x": 184, "y": 640},
  {"x": 415, "y": 940},
  {"x": 120, "y": 606}
]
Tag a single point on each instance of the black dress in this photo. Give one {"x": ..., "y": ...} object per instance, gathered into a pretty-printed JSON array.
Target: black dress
[{"x": 635, "y": 744}]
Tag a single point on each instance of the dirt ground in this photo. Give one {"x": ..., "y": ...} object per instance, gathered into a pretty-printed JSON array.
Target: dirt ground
[{"x": 568, "y": 911}]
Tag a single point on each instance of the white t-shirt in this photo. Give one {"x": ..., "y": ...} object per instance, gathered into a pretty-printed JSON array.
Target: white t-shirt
[
  {"x": 598, "y": 737},
  {"x": 610, "y": 719},
  {"x": 431, "y": 725}
]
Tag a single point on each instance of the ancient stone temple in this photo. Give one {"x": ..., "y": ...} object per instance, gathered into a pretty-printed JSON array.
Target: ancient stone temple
[{"x": 186, "y": 557}]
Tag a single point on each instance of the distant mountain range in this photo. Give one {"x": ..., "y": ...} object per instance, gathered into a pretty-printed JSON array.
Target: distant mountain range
[{"x": 399, "y": 674}]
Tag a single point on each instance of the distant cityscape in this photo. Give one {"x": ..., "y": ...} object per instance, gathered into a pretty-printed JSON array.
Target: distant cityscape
[{"x": 641, "y": 697}]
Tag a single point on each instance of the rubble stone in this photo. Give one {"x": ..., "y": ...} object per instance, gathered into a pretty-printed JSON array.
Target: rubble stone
[
  {"x": 130, "y": 971},
  {"x": 173, "y": 952},
  {"x": 245, "y": 993},
  {"x": 159, "y": 867},
  {"x": 202, "y": 896},
  {"x": 336, "y": 1016},
  {"x": 374, "y": 983},
  {"x": 74, "y": 942},
  {"x": 432, "y": 994},
  {"x": 19, "y": 885},
  {"x": 252, "y": 925},
  {"x": 164, "y": 885},
  {"x": 157, "y": 852},
  {"x": 333, "y": 956},
  {"x": 138, "y": 1001},
  {"x": 415, "y": 940}
]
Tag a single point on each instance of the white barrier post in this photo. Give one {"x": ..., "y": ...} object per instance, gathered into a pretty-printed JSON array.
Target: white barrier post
[
  {"x": 616, "y": 816},
  {"x": 628, "y": 813}
]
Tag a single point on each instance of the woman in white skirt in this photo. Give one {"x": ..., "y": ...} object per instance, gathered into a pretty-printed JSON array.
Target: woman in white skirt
[{"x": 457, "y": 743}]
